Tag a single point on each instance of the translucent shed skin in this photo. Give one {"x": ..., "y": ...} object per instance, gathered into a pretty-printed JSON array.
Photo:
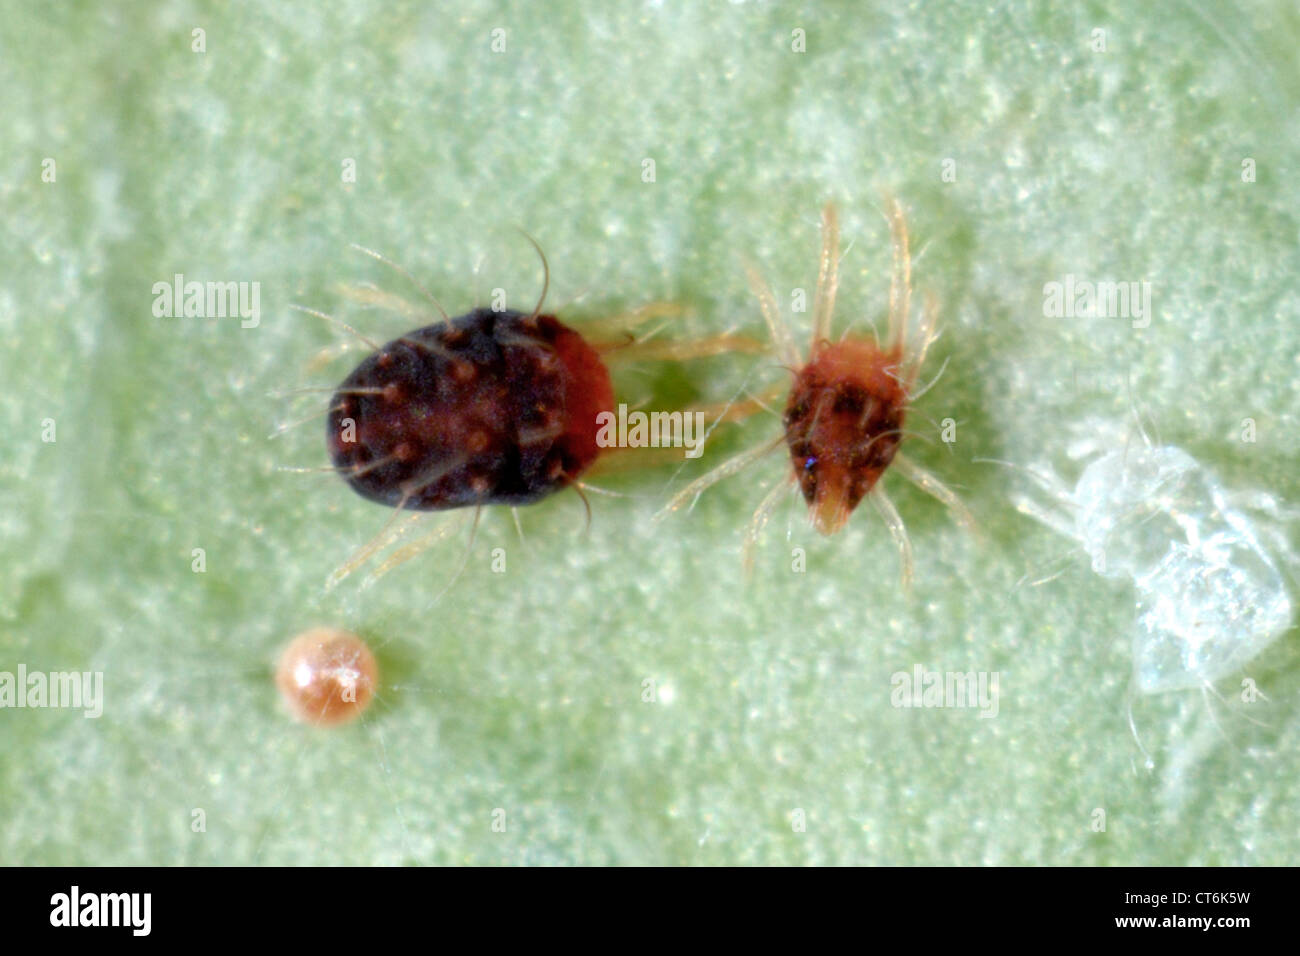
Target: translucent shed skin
[{"x": 1210, "y": 596}]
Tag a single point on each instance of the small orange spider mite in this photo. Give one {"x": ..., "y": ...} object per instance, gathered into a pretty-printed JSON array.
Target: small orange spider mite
[
  {"x": 843, "y": 419},
  {"x": 327, "y": 676}
]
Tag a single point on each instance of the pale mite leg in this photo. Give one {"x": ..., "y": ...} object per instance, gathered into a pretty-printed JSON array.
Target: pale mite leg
[
  {"x": 1060, "y": 517},
  {"x": 612, "y": 331},
  {"x": 284, "y": 427},
  {"x": 443, "y": 529},
  {"x": 930, "y": 483},
  {"x": 328, "y": 355},
  {"x": 1060, "y": 522},
  {"x": 338, "y": 324},
  {"x": 916, "y": 359},
  {"x": 410, "y": 278},
  {"x": 728, "y": 468},
  {"x": 900, "y": 283},
  {"x": 827, "y": 279},
  {"x": 897, "y": 530},
  {"x": 678, "y": 351},
  {"x": 782, "y": 339},
  {"x": 372, "y": 297},
  {"x": 719, "y": 412},
  {"x": 760, "y": 518},
  {"x": 391, "y": 532},
  {"x": 464, "y": 559}
]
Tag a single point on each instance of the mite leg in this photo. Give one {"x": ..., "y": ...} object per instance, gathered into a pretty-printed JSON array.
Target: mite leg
[
  {"x": 928, "y": 482},
  {"x": 897, "y": 530},
  {"x": 828, "y": 279},
  {"x": 900, "y": 283},
  {"x": 728, "y": 468},
  {"x": 760, "y": 518}
]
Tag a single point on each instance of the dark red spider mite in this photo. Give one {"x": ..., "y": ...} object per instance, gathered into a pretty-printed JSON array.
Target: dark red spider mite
[{"x": 488, "y": 408}]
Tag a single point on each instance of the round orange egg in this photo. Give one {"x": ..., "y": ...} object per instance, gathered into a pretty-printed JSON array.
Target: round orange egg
[{"x": 327, "y": 676}]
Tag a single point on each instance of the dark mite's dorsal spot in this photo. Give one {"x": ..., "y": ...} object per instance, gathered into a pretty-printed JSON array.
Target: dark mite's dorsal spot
[{"x": 486, "y": 408}]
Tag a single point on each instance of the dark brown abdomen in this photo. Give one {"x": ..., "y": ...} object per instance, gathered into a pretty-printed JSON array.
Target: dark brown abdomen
[{"x": 486, "y": 408}]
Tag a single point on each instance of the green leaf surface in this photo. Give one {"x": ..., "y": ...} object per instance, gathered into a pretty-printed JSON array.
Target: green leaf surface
[{"x": 523, "y": 691}]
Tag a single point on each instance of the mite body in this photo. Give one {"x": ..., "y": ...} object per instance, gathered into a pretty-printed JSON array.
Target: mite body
[
  {"x": 493, "y": 407},
  {"x": 843, "y": 424},
  {"x": 485, "y": 408},
  {"x": 846, "y": 408}
]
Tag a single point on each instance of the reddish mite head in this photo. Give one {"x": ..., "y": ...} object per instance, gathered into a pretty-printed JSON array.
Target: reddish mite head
[
  {"x": 486, "y": 408},
  {"x": 327, "y": 676},
  {"x": 843, "y": 425}
]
